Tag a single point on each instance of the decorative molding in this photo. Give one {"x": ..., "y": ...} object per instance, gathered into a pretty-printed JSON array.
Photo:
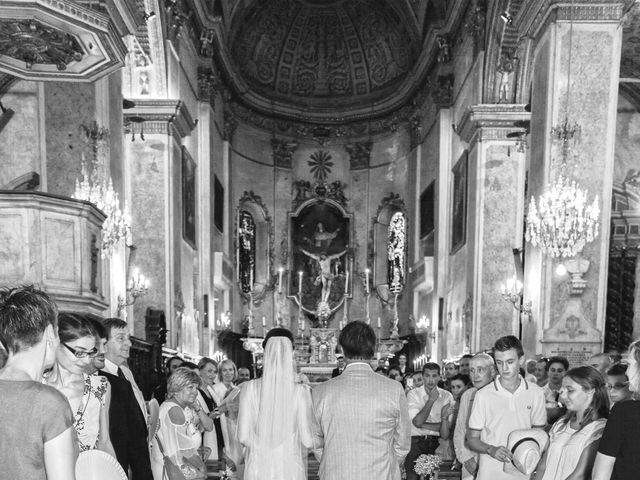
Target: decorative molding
[
  {"x": 160, "y": 116},
  {"x": 209, "y": 84},
  {"x": 537, "y": 15},
  {"x": 282, "y": 152},
  {"x": 442, "y": 90},
  {"x": 303, "y": 191},
  {"x": 359, "y": 154},
  {"x": 230, "y": 125},
  {"x": 476, "y": 24},
  {"x": 491, "y": 122},
  {"x": 415, "y": 131}
]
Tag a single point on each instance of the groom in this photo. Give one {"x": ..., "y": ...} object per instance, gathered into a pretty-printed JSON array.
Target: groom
[{"x": 361, "y": 422}]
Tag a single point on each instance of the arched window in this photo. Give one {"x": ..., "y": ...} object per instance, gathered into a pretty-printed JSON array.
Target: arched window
[
  {"x": 396, "y": 252},
  {"x": 246, "y": 251}
]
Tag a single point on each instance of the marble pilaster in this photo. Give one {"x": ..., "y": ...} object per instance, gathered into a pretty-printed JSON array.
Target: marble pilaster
[
  {"x": 496, "y": 171},
  {"x": 576, "y": 69}
]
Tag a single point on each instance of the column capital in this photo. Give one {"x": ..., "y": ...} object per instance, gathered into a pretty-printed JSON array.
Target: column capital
[
  {"x": 536, "y": 15},
  {"x": 491, "y": 122}
]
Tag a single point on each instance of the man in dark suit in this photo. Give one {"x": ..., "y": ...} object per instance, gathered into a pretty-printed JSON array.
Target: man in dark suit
[
  {"x": 127, "y": 427},
  {"x": 341, "y": 364}
]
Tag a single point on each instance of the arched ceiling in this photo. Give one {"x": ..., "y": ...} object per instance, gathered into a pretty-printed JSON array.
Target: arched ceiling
[{"x": 324, "y": 53}]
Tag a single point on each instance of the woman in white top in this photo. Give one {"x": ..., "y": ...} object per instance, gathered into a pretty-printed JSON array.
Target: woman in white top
[
  {"x": 225, "y": 394},
  {"x": 575, "y": 437},
  {"x": 209, "y": 372},
  {"x": 274, "y": 423}
]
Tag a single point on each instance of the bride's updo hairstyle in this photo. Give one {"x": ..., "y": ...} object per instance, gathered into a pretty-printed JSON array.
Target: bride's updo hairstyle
[{"x": 278, "y": 332}]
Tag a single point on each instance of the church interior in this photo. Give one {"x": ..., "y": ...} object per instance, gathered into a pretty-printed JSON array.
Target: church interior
[{"x": 449, "y": 171}]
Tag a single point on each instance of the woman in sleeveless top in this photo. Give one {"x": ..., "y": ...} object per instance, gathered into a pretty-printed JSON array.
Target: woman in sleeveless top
[
  {"x": 88, "y": 395},
  {"x": 575, "y": 437}
]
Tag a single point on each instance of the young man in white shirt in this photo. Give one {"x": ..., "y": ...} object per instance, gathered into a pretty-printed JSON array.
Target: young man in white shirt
[
  {"x": 425, "y": 411},
  {"x": 508, "y": 403}
]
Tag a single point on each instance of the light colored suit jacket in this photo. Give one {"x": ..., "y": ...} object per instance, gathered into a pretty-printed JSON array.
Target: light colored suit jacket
[{"x": 362, "y": 428}]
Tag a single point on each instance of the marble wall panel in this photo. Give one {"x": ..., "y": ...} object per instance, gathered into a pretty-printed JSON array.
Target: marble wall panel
[
  {"x": 14, "y": 251},
  {"x": 20, "y": 139},
  {"x": 68, "y": 105},
  {"x": 61, "y": 261}
]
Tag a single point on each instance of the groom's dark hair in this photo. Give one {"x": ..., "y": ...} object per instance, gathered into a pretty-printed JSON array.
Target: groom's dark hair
[{"x": 358, "y": 340}]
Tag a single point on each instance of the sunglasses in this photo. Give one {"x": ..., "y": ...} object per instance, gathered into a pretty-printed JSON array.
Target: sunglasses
[
  {"x": 617, "y": 386},
  {"x": 81, "y": 353}
]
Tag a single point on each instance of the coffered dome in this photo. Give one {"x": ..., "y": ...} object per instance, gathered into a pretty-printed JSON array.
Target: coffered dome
[{"x": 324, "y": 54}]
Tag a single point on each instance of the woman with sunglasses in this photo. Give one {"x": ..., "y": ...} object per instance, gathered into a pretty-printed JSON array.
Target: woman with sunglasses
[{"x": 88, "y": 395}]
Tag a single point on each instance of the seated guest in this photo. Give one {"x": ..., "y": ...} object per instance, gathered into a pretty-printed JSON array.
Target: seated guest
[
  {"x": 37, "y": 435},
  {"x": 213, "y": 439},
  {"x": 413, "y": 380},
  {"x": 425, "y": 410},
  {"x": 127, "y": 427},
  {"x": 88, "y": 395},
  {"x": 556, "y": 369},
  {"x": 394, "y": 374},
  {"x": 601, "y": 362},
  {"x": 464, "y": 363},
  {"x": 244, "y": 375},
  {"x": 618, "y": 452},
  {"x": 340, "y": 367},
  {"x": 450, "y": 370},
  {"x": 226, "y": 395},
  {"x": 459, "y": 384},
  {"x": 541, "y": 372},
  {"x": 618, "y": 384},
  {"x": 181, "y": 421},
  {"x": 575, "y": 437},
  {"x": 482, "y": 371},
  {"x": 170, "y": 366}
]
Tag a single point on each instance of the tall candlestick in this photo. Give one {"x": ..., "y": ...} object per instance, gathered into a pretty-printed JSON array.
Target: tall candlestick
[
  {"x": 280, "y": 270},
  {"x": 251, "y": 279},
  {"x": 300, "y": 283},
  {"x": 366, "y": 281}
]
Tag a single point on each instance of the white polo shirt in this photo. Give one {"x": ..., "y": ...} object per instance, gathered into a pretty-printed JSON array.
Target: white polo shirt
[
  {"x": 416, "y": 399},
  {"x": 496, "y": 413}
]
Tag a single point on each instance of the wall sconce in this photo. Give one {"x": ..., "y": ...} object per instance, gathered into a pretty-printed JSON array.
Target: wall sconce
[
  {"x": 138, "y": 287},
  {"x": 512, "y": 293}
]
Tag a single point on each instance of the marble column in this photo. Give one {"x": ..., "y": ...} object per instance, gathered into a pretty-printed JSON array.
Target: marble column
[
  {"x": 575, "y": 70},
  {"x": 495, "y": 185}
]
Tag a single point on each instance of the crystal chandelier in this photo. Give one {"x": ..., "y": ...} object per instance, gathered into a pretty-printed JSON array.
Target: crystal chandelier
[
  {"x": 98, "y": 189},
  {"x": 562, "y": 222}
]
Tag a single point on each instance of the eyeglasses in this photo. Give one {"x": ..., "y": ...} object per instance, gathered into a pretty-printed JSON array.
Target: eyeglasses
[
  {"x": 617, "y": 386},
  {"x": 81, "y": 353}
]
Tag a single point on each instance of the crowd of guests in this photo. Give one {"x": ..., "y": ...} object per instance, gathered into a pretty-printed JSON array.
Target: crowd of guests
[{"x": 65, "y": 389}]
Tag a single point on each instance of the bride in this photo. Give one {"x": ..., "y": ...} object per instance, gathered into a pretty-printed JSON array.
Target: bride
[{"x": 274, "y": 421}]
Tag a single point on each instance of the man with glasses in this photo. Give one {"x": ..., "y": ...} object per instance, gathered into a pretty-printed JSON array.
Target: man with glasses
[{"x": 618, "y": 384}]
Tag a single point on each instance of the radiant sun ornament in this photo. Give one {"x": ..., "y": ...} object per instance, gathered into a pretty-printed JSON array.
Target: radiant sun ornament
[
  {"x": 320, "y": 164},
  {"x": 563, "y": 221}
]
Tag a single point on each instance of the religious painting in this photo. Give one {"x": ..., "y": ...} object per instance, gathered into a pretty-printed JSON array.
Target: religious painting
[
  {"x": 188, "y": 198},
  {"x": 459, "y": 204},
  {"x": 396, "y": 252},
  {"x": 246, "y": 250},
  {"x": 320, "y": 267}
]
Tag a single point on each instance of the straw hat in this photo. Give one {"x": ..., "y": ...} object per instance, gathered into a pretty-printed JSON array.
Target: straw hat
[{"x": 526, "y": 446}]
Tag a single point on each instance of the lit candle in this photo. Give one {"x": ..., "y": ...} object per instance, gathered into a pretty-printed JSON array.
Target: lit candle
[
  {"x": 302, "y": 325},
  {"x": 300, "y": 282},
  {"x": 280, "y": 270},
  {"x": 251, "y": 279},
  {"x": 264, "y": 321},
  {"x": 379, "y": 324},
  {"x": 366, "y": 280},
  {"x": 346, "y": 283}
]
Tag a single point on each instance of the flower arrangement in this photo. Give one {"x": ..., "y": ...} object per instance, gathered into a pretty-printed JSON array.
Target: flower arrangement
[
  {"x": 427, "y": 464},
  {"x": 226, "y": 473}
]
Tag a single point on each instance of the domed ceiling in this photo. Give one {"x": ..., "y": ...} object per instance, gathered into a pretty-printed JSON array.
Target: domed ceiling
[{"x": 324, "y": 54}]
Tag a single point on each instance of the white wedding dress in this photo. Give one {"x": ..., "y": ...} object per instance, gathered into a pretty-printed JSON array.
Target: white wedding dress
[{"x": 274, "y": 421}]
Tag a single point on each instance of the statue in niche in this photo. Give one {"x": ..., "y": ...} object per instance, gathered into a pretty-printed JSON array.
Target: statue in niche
[
  {"x": 506, "y": 70},
  {"x": 396, "y": 252},
  {"x": 246, "y": 251},
  {"x": 324, "y": 275}
]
